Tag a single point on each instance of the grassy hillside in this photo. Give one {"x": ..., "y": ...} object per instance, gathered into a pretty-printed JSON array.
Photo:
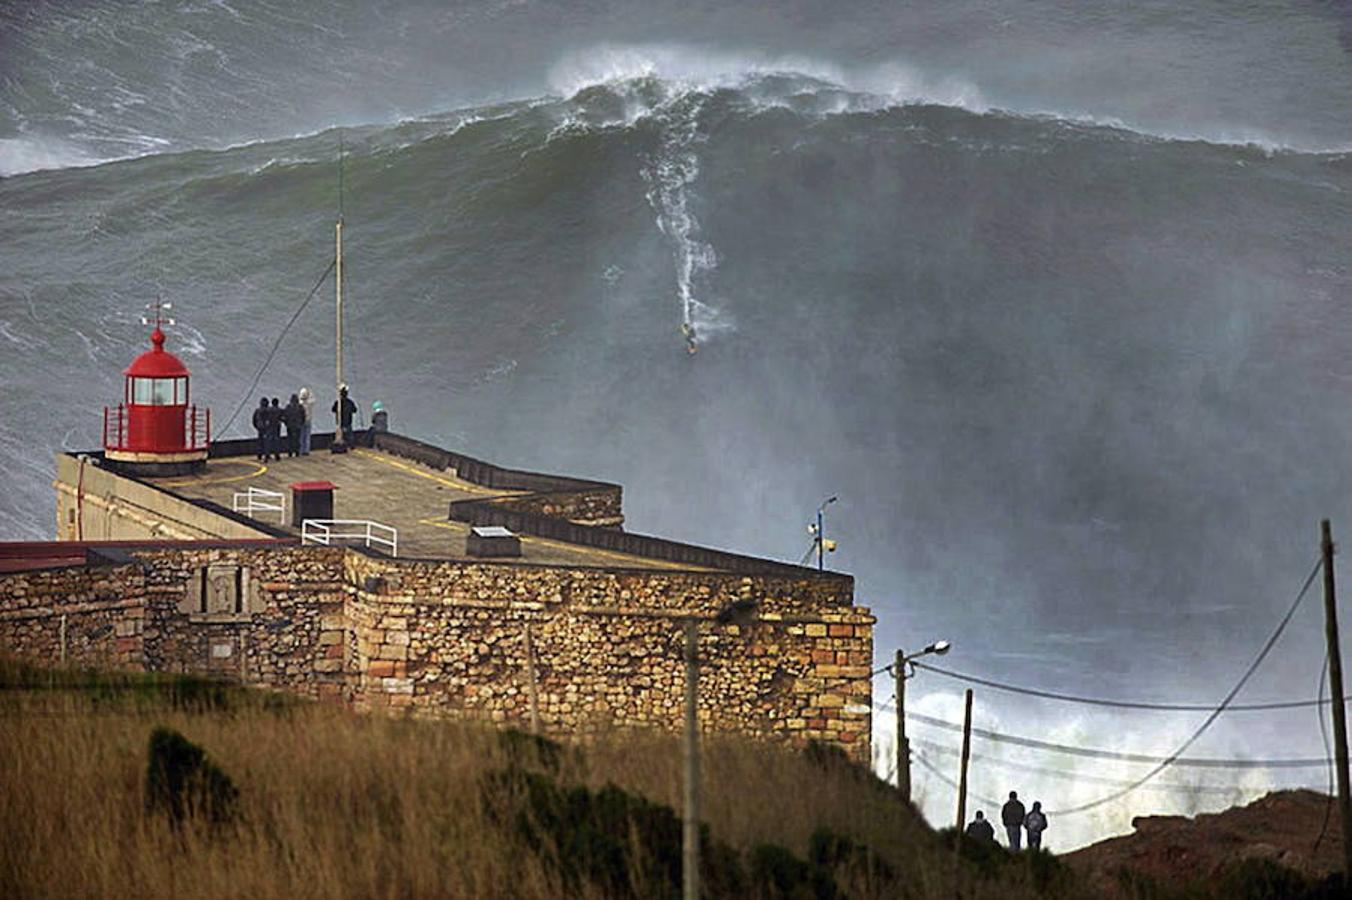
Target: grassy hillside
[{"x": 332, "y": 804}]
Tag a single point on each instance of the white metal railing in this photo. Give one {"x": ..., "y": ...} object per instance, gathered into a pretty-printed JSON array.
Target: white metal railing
[
  {"x": 327, "y": 531},
  {"x": 256, "y": 499}
]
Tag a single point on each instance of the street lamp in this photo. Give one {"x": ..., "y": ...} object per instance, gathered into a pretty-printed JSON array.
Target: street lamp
[
  {"x": 818, "y": 532},
  {"x": 902, "y": 669},
  {"x": 738, "y": 612}
]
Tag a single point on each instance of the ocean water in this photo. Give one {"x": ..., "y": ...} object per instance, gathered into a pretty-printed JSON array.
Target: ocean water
[{"x": 1053, "y": 298}]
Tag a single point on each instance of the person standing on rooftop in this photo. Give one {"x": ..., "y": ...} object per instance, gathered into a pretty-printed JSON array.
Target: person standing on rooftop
[
  {"x": 260, "y": 424},
  {"x": 293, "y": 416},
  {"x": 307, "y": 405},
  {"x": 345, "y": 409}
]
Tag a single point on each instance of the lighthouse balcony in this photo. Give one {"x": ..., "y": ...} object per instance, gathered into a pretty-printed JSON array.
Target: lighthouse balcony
[{"x": 143, "y": 433}]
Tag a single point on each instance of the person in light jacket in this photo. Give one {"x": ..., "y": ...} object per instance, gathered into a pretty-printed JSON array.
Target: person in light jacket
[
  {"x": 1036, "y": 823},
  {"x": 307, "y": 405}
]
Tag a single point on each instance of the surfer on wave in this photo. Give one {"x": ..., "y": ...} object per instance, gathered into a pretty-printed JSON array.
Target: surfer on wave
[{"x": 688, "y": 330}]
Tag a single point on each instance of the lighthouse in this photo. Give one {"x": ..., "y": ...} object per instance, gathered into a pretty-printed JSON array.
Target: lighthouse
[{"x": 155, "y": 430}]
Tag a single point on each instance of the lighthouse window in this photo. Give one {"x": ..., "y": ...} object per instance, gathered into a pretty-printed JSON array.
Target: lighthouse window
[{"x": 154, "y": 391}]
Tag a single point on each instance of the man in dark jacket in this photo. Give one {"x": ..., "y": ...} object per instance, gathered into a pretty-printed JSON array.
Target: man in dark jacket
[
  {"x": 275, "y": 428},
  {"x": 1011, "y": 814},
  {"x": 260, "y": 424},
  {"x": 344, "y": 409},
  {"x": 293, "y": 417},
  {"x": 981, "y": 830}
]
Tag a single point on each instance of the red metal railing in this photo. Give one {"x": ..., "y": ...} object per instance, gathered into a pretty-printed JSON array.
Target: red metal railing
[{"x": 156, "y": 429}]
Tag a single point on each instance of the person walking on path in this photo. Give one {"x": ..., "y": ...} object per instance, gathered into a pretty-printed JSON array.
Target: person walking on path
[
  {"x": 345, "y": 409},
  {"x": 293, "y": 417},
  {"x": 380, "y": 417},
  {"x": 260, "y": 424},
  {"x": 1012, "y": 815},
  {"x": 307, "y": 405},
  {"x": 981, "y": 830},
  {"x": 1036, "y": 823}
]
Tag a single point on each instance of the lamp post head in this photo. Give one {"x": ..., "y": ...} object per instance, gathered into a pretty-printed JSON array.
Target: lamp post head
[{"x": 939, "y": 648}]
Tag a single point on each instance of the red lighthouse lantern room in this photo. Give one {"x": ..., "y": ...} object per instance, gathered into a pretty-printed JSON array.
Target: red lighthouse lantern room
[{"x": 154, "y": 430}]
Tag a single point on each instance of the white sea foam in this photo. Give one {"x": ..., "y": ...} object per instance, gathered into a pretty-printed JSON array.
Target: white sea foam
[
  {"x": 19, "y": 156},
  {"x": 686, "y": 68},
  {"x": 670, "y": 173},
  {"x": 683, "y": 68}
]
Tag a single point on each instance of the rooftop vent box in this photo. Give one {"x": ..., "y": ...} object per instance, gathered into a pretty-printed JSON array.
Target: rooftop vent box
[{"x": 492, "y": 540}]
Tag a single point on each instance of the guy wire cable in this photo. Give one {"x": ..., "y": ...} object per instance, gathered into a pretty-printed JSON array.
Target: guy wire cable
[
  {"x": 275, "y": 344},
  {"x": 1324, "y": 736}
]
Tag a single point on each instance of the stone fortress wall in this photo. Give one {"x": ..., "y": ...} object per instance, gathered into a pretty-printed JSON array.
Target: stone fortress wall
[
  {"x": 193, "y": 587},
  {"x": 448, "y": 638}
]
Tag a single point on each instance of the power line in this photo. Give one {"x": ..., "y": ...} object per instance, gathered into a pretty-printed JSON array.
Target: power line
[
  {"x": 275, "y": 344},
  {"x": 1120, "y": 704},
  {"x": 1098, "y": 753},
  {"x": 1076, "y": 776},
  {"x": 1201, "y": 729},
  {"x": 938, "y": 773}
]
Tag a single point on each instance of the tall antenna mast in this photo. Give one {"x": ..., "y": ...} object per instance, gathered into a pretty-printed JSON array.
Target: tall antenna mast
[{"x": 338, "y": 302}]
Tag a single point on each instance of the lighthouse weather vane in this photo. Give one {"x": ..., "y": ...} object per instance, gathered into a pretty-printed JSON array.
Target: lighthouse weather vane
[{"x": 158, "y": 308}]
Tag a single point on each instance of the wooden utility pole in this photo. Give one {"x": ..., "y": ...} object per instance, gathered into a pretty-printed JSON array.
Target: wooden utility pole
[
  {"x": 966, "y": 755},
  {"x": 1336, "y": 688},
  {"x": 690, "y": 825},
  {"x": 532, "y": 690},
  {"x": 903, "y": 743}
]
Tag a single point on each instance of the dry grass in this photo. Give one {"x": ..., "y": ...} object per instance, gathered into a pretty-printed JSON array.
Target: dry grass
[{"x": 334, "y": 804}]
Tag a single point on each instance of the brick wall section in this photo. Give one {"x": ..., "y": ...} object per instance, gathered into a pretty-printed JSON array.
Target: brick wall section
[
  {"x": 447, "y": 638},
  {"x": 289, "y": 637},
  {"x": 104, "y": 608}
]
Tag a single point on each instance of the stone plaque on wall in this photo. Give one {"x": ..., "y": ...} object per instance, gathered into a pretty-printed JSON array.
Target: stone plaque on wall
[{"x": 220, "y": 589}]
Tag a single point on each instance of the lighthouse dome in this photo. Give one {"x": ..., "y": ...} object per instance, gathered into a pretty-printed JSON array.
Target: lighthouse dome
[
  {"x": 157, "y": 363},
  {"x": 155, "y": 429}
]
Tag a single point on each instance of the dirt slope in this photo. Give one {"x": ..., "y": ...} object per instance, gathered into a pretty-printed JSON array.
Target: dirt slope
[{"x": 1177, "y": 850}]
